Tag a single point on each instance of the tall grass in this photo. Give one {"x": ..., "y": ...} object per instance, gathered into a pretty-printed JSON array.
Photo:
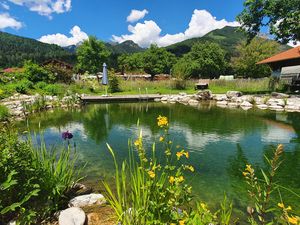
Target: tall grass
[
  {"x": 38, "y": 178},
  {"x": 4, "y": 113}
]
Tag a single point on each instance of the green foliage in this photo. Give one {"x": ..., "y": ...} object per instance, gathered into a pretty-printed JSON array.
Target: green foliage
[
  {"x": 157, "y": 60},
  {"x": 205, "y": 60},
  {"x": 149, "y": 191},
  {"x": 91, "y": 55},
  {"x": 4, "y": 113},
  {"x": 249, "y": 54},
  {"x": 132, "y": 63},
  {"x": 260, "y": 191},
  {"x": 114, "y": 84},
  {"x": 54, "y": 89},
  {"x": 34, "y": 179},
  {"x": 14, "y": 50},
  {"x": 36, "y": 73},
  {"x": 59, "y": 74},
  {"x": 179, "y": 84},
  {"x": 153, "y": 61},
  {"x": 23, "y": 86},
  {"x": 282, "y": 17}
]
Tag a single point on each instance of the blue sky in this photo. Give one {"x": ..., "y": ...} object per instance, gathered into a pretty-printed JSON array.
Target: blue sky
[{"x": 153, "y": 21}]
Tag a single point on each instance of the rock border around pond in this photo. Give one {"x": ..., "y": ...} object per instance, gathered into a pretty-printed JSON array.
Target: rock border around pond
[
  {"x": 20, "y": 105},
  {"x": 235, "y": 99}
]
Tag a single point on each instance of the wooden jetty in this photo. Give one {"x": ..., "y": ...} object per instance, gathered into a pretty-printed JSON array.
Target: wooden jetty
[{"x": 120, "y": 98}]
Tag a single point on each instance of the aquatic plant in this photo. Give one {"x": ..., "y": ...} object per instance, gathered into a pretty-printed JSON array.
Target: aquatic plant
[
  {"x": 152, "y": 190},
  {"x": 260, "y": 192},
  {"x": 34, "y": 178}
]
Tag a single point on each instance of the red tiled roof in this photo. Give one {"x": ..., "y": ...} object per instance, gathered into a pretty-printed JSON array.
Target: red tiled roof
[
  {"x": 12, "y": 70},
  {"x": 289, "y": 54}
]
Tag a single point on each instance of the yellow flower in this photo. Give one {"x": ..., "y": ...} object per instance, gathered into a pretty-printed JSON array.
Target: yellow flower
[
  {"x": 187, "y": 154},
  {"x": 171, "y": 179},
  {"x": 151, "y": 174},
  {"x": 170, "y": 142},
  {"x": 245, "y": 174},
  {"x": 281, "y": 205},
  {"x": 191, "y": 168},
  {"x": 161, "y": 139},
  {"x": 249, "y": 168},
  {"x": 203, "y": 205},
  {"x": 288, "y": 208},
  {"x": 172, "y": 224},
  {"x": 179, "y": 154},
  {"x": 181, "y": 222},
  {"x": 180, "y": 179},
  {"x": 293, "y": 220},
  {"x": 162, "y": 121},
  {"x": 137, "y": 142}
]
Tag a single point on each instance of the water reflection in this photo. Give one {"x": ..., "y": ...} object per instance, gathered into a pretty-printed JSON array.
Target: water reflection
[{"x": 221, "y": 141}]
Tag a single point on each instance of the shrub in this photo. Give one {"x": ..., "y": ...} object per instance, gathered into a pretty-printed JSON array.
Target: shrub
[
  {"x": 40, "y": 85},
  {"x": 53, "y": 89},
  {"x": 23, "y": 86},
  {"x": 36, "y": 73},
  {"x": 59, "y": 74},
  {"x": 4, "y": 113},
  {"x": 33, "y": 179},
  {"x": 178, "y": 84},
  {"x": 114, "y": 84}
]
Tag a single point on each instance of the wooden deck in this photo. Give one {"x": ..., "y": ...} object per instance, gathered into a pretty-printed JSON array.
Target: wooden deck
[{"x": 121, "y": 98}]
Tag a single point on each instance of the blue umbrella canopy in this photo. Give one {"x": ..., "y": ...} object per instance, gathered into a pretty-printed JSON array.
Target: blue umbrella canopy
[{"x": 104, "y": 75}]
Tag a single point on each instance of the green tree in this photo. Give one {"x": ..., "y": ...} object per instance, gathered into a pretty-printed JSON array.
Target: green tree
[
  {"x": 132, "y": 62},
  {"x": 157, "y": 60},
  {"x": 206, "y": 60},
  {"x": 281, "y": 16},
  {"x": 249, "y": 54},
  {"x": 91, "y": 55}
]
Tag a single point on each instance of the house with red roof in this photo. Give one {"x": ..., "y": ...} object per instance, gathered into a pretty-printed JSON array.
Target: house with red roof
[{"x": 286, "y": 65}]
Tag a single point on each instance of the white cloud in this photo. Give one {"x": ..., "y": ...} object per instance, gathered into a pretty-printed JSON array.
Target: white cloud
[
  {"x": 7, "y": 21},
  {"x": 45, "y": 7},
  {"x": 136, "y": 15},
  {"x": 4, "y": 5},
  {"x": 143, "y": 34},
  {"x": 149, "y": 32},
  {"x": 62, "y": 40},
  {"x": 292, "y": 44}
]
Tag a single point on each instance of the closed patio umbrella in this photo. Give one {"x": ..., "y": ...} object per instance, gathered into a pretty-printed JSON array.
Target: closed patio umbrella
[{"x": 105, "y": 77}]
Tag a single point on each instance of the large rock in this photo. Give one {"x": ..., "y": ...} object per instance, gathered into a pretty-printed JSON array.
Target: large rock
[
  {"x": 204, "y": 95},
  {"x": 220, "y": 97},
  {"x": 72, "y": 216},
  {"x": 279, "y": 95},
  {"x": 246, "y": 104},
  {"x": 262, "y": 106},
  {"x": 79, "y": 189},
  {"x": 276, "y": 107},
  {"x": 231, "y": 94},
  {"x": 87, "y": 200}
]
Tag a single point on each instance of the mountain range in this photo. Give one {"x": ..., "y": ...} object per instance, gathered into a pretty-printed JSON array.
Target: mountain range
[{"x": 15, "y": 49}]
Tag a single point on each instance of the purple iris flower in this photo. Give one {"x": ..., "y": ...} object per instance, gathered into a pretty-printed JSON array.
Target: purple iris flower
[{"x": 67, "y": 135}]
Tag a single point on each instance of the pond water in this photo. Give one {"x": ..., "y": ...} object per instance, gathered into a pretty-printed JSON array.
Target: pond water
[{"x": 220, "y": 142}]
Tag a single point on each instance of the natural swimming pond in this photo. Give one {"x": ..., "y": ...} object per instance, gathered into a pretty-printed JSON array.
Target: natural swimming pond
[{"x": 220, "y": 142}]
